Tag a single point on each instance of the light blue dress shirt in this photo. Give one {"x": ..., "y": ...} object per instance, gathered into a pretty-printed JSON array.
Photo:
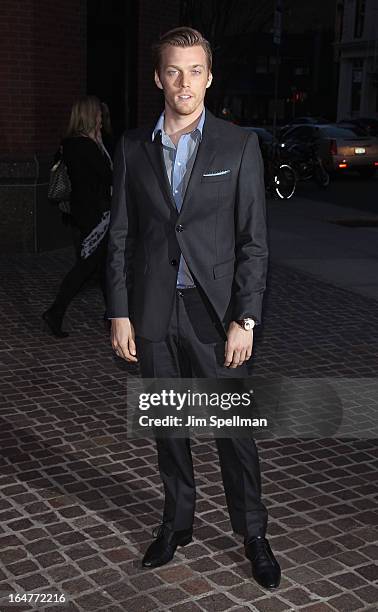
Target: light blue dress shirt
[{"x": 178, "y": 161}]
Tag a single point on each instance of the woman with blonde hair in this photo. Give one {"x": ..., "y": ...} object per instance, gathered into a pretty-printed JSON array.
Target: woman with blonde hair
[{"x": 90, "y": 170}]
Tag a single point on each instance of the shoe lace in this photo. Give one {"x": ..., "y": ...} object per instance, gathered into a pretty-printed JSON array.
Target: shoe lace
[
  {"x": 261, "y": 551},
  {"x": 158, "y": 531}
]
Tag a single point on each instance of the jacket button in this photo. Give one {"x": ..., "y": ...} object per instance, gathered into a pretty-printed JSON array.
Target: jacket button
[
  {"x": 173, "y": 262},
  {"x": 179, "y": 228}
]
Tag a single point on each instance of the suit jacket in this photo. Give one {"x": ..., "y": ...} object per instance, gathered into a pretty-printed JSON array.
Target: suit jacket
[{"x": 220, "y": 230}]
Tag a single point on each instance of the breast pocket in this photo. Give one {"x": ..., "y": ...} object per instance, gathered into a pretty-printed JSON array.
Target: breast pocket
[{"x": 208, "y": 177}]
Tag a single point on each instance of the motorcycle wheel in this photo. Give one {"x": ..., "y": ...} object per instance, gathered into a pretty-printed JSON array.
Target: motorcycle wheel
[
  {"x": 321, "y": 176},
  {"x": 285, "y": 181}
]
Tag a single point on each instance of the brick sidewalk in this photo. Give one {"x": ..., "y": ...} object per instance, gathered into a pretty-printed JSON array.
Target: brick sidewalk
[{"x": 78, "y": 500}]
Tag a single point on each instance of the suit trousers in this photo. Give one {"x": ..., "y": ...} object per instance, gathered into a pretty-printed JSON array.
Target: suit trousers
[{"x": 194, "y": 347}]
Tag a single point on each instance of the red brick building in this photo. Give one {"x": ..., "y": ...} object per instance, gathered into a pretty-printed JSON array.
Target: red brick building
[{"x": 51, "y": 53}]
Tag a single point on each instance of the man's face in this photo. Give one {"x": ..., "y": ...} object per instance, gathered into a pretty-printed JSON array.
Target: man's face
[{"x": 184, "y": 77}]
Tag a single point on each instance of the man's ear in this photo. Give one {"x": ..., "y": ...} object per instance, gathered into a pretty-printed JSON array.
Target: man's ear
[
  {"x": 209, "y": 80},
  {"x": 157, "y": 80}
]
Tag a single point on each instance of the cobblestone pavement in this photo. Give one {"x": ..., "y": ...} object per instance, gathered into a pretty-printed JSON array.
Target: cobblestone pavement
[{"x": 78, "y": 500}]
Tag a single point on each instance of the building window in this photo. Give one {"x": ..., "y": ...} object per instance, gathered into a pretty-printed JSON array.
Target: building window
[
  {"x": 359, "y": 18},
  {"x": 273, "y": 60},
  {"x": 262, "y": 62},
  {"x": 301, "y": 70},
  {"x": 356, "y": 85}
]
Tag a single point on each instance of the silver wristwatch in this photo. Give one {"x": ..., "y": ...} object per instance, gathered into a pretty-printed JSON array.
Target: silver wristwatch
[{"x": 247, "y": 324}]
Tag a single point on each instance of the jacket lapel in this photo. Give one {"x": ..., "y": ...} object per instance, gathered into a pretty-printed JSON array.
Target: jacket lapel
[
  {"x": 206, "y": 152},
  {"x": 154, "y": 152}
]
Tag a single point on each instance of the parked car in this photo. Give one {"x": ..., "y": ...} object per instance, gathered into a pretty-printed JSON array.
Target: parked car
[
  {"x": 264, "y": 136},
  {"x": 266, "y": 139},
  {"x": 301, "y": 121},
  {"x": 310, "y": 120},
  {"x": 339, "y": 148},
  {"x": 368, "y": 124}
]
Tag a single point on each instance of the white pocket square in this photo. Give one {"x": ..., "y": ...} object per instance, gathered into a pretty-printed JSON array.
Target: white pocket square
[{"x": 220, "y": 173}]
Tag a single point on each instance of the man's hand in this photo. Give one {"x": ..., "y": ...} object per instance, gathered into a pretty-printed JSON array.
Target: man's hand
[
  {"x": 238, "y": 347},
  {"x": 123, "y": 339}
]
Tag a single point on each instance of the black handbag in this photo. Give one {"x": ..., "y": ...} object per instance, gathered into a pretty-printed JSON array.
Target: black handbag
[{"x": 59, "y": 189}]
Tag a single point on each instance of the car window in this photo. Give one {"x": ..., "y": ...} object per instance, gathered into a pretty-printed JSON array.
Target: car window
[
  {"x": 262, "y": 133},
  {"x": 371, "y": 121},
  {"x": 360, "y": 129},
  {"x": 343, "y": 132},
  {"x": 265, "y": 135},
  {"x": 303, "y": 132}
]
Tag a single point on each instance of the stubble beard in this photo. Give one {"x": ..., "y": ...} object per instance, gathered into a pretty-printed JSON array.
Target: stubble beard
[{"x": 185, "y": 109}]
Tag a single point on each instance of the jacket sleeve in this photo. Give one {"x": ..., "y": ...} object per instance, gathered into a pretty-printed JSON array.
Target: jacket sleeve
[
  {"x": 122, "y": 239},
  {"x": 251, "y": 248}
]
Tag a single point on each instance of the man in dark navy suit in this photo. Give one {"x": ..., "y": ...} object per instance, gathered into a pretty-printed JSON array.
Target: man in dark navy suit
[{"x": 186, "y": 276}]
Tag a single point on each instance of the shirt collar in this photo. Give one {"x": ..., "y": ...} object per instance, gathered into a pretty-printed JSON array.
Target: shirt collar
[{"x": 159, "y": 127}]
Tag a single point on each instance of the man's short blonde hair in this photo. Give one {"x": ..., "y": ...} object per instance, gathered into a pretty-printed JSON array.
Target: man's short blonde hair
[{"x": 181, "y": 37}]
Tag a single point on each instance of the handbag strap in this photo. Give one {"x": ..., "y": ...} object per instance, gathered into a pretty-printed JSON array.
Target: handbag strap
[{"x": 59, "y": 159}]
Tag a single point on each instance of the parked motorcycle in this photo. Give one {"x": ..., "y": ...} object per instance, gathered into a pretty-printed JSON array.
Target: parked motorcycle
[
  {"x": 307, "y": 164},
  {"x": 280, "y": 176}
]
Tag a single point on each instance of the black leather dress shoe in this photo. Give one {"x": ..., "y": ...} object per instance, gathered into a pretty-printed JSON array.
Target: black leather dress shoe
[
  {"x": 265, "y": 568},
  {"x": 162, "y": 550},
  {"x": 54, "y": 323}
]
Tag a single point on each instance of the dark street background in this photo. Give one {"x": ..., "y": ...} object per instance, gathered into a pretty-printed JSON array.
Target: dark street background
[{"x": 348, "y": 191}]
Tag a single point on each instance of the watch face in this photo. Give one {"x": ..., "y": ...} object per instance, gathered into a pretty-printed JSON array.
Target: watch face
[{"x": 246, "y": 324}]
